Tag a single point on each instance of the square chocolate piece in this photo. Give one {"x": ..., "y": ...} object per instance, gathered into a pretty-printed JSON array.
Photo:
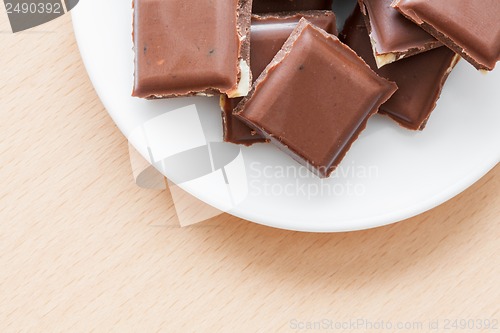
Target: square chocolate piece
[
  {"x": 420, "y": 78},
  {"x": 314, "y": 99},
  {"x": 471, "y": 28},
  {"x": 393, "y": 37},
  {"x": 191, "y": 47},
  {"x": 268, "y": 34},
  {"x": 273, "y": 6}
]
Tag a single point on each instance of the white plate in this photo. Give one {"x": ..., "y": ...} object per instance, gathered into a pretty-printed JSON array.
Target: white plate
[{"x": 389, "y": 175}]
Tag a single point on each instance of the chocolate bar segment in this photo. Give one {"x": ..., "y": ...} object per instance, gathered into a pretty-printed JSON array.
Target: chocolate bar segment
[
  {"x": 268, "y": 34},
  {"x": 273, "y": 6},
  {"x": 315, "y": 97},
  {"x": 393, "y": 37},
  {"x": 420, "y": 78},
  {"x": 470, "y": 28},
  {"x": 190, "y": 47}
]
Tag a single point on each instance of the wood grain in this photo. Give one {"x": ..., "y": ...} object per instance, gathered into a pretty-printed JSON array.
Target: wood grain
[{"x": 84, "y": 249}]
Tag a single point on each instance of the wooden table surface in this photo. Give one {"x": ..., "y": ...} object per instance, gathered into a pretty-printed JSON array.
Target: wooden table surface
[{"x": 82, "y": 248}]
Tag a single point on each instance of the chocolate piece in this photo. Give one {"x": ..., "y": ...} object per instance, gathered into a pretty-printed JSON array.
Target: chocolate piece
[
  {"x": 315, "y": 97},
  {"x": 268, "y": 34},
  {"x": 234, "y": 130},
  {"x": 190, "y": 47},
  {"x": 273, "y": 6},
  {"x": 393, "y": 37},
  {"x": 469, "y": 27},
  {"x": 419, "y": 78}
]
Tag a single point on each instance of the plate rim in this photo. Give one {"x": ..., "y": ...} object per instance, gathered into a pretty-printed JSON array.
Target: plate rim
[{"x": 401, "y": 215}]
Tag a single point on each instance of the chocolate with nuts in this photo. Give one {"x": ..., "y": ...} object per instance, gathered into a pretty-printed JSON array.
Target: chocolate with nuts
[{"x": 191, "y": 47}]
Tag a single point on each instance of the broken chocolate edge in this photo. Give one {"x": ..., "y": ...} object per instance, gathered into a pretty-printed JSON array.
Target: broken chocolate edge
[
  {"x": 448, "y": 42},
  {"x": 224, "y": 104},
  {"x": 243, "y": 22},
  {"x": 385, "y": 58},
  {"x": 224, "y": 99},
  {"x": 421, "y": 126}
]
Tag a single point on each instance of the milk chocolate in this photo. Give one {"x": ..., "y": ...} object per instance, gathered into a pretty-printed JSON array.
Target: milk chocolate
[
  {"x": 272, "y": 6},
  {"x": 393, "y": 37},
  {"x": 191, "y": 47},
  {"x": 469, "y": 27},
  {"x": 314, "y": 98},
  {"x": 268, "y": 34},
  {"x": 420, "y": 78}
]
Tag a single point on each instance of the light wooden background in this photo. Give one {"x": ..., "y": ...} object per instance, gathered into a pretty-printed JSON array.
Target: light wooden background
[{"x": 82, "y": 248}]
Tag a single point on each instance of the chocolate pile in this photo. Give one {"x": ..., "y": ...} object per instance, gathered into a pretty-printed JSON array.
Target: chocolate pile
[{"x": 285, "y": 76}]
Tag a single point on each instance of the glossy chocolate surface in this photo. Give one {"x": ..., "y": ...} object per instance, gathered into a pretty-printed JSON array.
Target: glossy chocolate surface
[
  {"x": 190, "y": 47},
  {"x": 268, "y": 34},
  {"x": 272, "y": 6},
  {"x": 313, "y": 100},
  {"x": 470, "y": 28},
  {"x": 419, "y": 78},
  {"x": 393, "y": 36}
]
